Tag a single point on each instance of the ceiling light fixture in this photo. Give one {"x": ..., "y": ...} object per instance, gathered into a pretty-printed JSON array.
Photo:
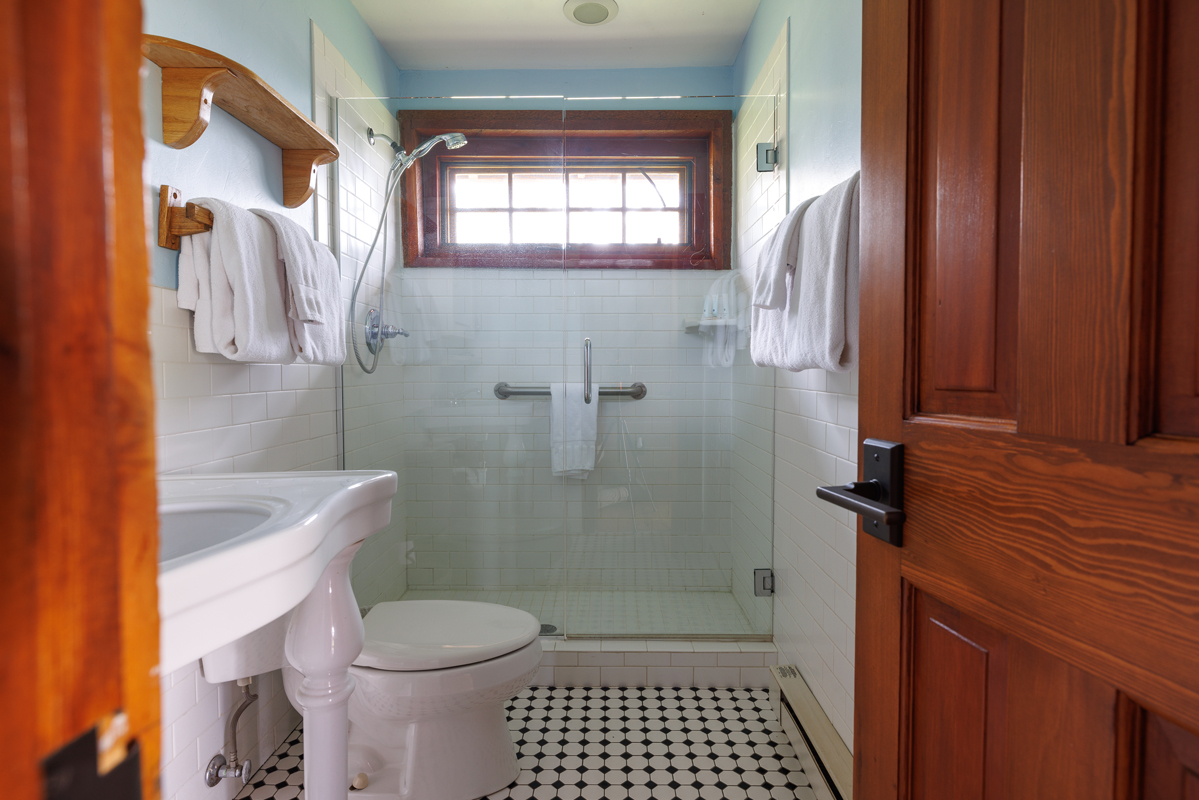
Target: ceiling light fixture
[{"x": 590, "y": 12}]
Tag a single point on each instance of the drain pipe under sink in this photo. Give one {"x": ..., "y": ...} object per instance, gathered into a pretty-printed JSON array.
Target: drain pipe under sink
[{"x": 218, "y": 767}]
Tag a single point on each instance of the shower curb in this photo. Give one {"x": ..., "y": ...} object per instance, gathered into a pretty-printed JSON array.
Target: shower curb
[{"x": 648, "y": 662}]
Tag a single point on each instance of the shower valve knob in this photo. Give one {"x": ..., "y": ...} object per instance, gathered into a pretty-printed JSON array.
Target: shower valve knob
[{"x": 376, "y": 333}]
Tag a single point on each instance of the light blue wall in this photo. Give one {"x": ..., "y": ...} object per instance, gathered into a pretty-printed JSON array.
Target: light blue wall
[
  {"x": 825, "y": 119},
  {"x": 272, "y": 38},
  {"x": 698, "y": 84}
]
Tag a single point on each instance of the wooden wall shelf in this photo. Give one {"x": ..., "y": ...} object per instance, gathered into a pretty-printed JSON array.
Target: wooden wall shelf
[{"x": 194, "y": 79}]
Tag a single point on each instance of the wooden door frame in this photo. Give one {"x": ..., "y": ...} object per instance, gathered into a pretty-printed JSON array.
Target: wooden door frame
[
  {"x": 78, "y": 581},
  {"x": 884, "y": 259}
]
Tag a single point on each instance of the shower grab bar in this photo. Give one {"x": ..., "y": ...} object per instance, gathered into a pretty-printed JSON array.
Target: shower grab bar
[
  {"x": 635, "y": 391},
  {"x": 587, "y": 371}
]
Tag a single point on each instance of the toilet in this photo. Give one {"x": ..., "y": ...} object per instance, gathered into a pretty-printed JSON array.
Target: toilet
[{"x": 427, "y": 718}]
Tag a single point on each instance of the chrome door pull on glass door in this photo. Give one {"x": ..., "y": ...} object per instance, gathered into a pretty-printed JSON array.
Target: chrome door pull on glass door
[
  {"x": 587, "y": 371},
  {"x": 879, "y": 497}
]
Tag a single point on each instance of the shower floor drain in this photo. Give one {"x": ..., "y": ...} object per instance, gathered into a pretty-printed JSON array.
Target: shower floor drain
[{"x": 548, "y": 630}]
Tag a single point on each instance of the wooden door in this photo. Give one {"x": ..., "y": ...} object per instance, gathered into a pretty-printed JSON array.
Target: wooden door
[
  {"x": 1030, "y": 333},
  {"x": 78, "y": 563}
]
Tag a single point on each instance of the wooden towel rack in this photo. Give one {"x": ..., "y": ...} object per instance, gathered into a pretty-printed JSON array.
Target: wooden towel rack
[
  {"x": 195, "y": 79},
  {"x": 177, "y": 218}
]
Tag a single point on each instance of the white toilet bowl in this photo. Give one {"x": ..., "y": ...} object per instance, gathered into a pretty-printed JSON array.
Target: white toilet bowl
[{"x": 427, "y": 715}]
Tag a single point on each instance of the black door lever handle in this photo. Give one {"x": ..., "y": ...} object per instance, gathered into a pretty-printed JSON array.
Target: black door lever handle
[
  {"x": 879, "y": 497},
  {"x": 861, "y": 497}
]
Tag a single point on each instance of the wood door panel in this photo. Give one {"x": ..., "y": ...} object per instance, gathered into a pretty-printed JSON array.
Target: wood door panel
[
  {"x": 1076, "y": 219},
  {"x": 969, "y": 103},
  {"x": 992, "y": 716},
  {"x": 1178, "y": 343},
  {"x": 958, "y": 685},
  {"x": 1171, "y": 762},
  {"x": 1062, "y": 735},
  {"x": 991, "y": 516}
]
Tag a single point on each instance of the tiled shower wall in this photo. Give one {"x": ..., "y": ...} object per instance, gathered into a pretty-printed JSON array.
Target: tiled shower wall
[{"x": 484, "y": 509}]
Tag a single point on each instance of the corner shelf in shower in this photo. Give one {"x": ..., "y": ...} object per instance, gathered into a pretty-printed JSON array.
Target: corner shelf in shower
[{"x": 195, "y": 79}]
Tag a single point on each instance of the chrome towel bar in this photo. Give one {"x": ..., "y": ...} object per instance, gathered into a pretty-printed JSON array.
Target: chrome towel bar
[{"x": 636, "y": 391}]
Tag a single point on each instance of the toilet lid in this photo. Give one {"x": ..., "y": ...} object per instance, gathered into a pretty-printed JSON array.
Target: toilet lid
[{"x": 411, "y": 635}]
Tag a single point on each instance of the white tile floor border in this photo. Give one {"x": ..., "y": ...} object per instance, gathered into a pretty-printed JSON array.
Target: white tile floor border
[{"x": 648, "y": 662}]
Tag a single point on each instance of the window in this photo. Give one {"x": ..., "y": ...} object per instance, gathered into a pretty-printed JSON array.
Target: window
[{"x": 635, "y": 190}]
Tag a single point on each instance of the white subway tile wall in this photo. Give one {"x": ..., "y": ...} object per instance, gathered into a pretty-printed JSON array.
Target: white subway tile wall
[
  {"x": 195, "y": 727},
  {"x": 484, "y": 509}
]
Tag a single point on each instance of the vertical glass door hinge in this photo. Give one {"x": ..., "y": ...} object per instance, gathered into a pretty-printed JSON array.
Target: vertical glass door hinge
[{"x": 763, "y": 582}]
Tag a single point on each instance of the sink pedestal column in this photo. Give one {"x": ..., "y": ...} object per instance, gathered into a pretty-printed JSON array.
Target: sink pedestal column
[{"x": 323, "y": 639}]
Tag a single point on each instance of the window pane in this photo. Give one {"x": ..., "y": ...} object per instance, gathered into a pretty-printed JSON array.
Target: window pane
[
  {"x": 538, "y": 227},
  {"x": 532, "y": 190},
  {"x": 641, "y": 192},
  {"x": 595, "y": 190},
  {"x": 481, "y": 190},
  {"x": 481, "y": 227},
  {"x": 652, "y": 227},
  {"x": 595, "y": 227}
]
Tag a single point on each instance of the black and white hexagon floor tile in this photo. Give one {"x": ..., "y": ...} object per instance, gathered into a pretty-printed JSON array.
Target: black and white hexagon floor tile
[{"x": 623, "y": 744}]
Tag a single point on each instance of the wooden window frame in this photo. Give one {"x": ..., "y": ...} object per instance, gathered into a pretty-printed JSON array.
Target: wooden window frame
[{"x": 700, "y": 139}]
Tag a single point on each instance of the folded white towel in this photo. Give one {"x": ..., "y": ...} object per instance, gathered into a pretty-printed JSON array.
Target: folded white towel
[
  {"x": 777, "y": 260},
  {"x": 248, "y": 319},
  {"x": 818, "y": 327},
  {"x": 315, "y": 316},
  {"x": 572, "y": 430}
]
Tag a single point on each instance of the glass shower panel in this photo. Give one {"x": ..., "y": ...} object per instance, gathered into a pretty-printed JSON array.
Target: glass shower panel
[
  {"x": 663, "y": 537},
  {"x": 499, "y": 270},
  {"x": 481, "y": 517}
]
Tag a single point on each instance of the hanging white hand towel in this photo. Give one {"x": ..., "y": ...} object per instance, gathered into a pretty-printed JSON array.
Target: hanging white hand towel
[
  {"x": 315, "y": 318},
  {"x": 818, "y": 327},
  {"x": 572, "y": 430},
  {"x": 195, "y": 287},
  {"x": 777, "y": 260},
  {"x": 249, "y": 322}
]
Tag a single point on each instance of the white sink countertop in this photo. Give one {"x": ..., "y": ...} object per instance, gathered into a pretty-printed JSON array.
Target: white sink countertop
[{"x": 239, "y": 550}]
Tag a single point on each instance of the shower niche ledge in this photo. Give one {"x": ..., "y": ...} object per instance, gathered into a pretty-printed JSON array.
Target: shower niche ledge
[{"x": 195, "y": 79}]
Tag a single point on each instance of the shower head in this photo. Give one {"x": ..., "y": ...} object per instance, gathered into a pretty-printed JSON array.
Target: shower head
[{"x": 452, "y": 142}]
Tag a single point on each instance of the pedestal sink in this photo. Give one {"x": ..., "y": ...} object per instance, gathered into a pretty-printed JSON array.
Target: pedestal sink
[{"x": 237, "y": 552}]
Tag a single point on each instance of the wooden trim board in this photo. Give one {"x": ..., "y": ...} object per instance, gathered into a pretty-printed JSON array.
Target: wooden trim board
[{"x": 830, "y": 748}]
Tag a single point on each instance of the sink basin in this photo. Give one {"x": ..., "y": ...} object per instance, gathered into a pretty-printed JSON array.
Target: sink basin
[
  {"x": 238, "y": 551},
  {"x": 185, "y": 528}
]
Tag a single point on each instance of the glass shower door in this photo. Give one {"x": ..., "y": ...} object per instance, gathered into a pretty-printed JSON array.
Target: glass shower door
[{"x": 663, "y": 536}]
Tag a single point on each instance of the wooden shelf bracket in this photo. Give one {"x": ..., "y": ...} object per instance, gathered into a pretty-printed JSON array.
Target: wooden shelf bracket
[{"x": 195, "y": 79}]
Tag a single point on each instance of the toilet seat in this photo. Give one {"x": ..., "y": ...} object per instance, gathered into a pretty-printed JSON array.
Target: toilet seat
[{"x": 419, "y": 635}]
